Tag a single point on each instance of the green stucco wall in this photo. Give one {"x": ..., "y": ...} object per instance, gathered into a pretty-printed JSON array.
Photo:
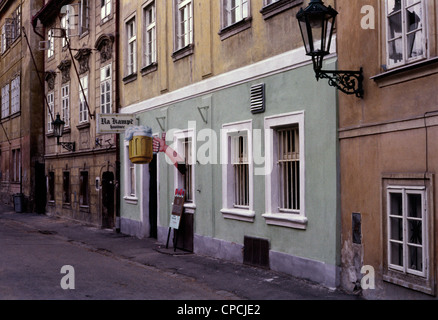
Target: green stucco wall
[{"x": 288, "y": 91}]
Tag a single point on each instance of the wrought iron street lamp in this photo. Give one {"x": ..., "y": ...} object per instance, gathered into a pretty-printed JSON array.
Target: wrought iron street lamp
[
  {"x": 317, "y": 23},
  {"x": 58, "y": 130}
]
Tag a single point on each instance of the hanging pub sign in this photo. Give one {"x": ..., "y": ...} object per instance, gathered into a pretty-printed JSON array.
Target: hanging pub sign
[
  {"x": 114, "y": 122},
  {"x": 177, "y": 209},
  {"x": 140, "y": 144}
]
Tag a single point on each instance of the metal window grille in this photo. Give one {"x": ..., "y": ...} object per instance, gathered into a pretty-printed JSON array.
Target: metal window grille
[
  {"x": 131, "y": 179},
  {"x": 241, "y": 171},
  {"x": 187, "y": 177},
  {"x": 289, "y": 169}
]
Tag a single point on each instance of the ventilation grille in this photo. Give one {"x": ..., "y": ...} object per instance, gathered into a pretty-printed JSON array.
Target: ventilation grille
[
  {"x": 258, "y": 98},
  {"x": 256, "y": 252}
]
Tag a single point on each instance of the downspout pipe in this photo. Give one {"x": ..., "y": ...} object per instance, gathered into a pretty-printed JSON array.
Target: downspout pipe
[{"x": 117, "y": 109}]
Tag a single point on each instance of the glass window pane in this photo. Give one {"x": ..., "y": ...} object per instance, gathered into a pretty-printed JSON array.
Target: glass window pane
[
  {"x": 415, "y": 258},
  {"x": 415, "y": 234},
  {"x": 396, "y": 254},
  {"x": 396, "y": 204},
  {"x": 414, "y": 205},
  {"x": 396, "y": 229},
  {"x": 413, "y": 17}
]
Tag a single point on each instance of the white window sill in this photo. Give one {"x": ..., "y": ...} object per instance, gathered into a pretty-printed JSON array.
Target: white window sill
[
  {"x": 238, "y": 214},
  {"x": 286, "y": 220},
  {"x": 131, "y": 200}
]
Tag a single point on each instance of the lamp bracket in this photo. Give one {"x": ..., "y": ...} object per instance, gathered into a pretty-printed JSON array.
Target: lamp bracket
[
  {"x": 69, "y": 146},
  {"x": 349, "y": 82}
]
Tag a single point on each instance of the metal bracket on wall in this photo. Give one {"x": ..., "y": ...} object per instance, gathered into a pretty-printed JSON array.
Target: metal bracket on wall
[
  {"x": 205, "y": 109},
  {"x": 161, "y": 123}
]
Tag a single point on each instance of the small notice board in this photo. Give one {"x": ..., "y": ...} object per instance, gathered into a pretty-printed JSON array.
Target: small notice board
[
  {"x": 177, "y": 212},
  {"x": 177, "y": 209}
]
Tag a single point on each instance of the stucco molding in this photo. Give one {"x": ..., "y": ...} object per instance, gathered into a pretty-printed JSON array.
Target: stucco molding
[{"x": 284, "y": 62}]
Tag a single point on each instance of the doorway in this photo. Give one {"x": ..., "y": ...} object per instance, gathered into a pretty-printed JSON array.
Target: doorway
[{"x": 108, "y": 200}]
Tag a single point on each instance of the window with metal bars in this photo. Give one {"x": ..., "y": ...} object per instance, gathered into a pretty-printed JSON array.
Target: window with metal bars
[
  {"x": 289, "y": 169},
  {"x": 187, "y": 177},
  {"x": 241, "y": 171}
]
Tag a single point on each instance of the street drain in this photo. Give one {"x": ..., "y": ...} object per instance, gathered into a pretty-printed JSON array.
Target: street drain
[{"x": 47, "y": 232}]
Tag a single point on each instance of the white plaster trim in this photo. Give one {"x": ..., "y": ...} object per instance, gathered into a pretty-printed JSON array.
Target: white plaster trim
[
  {"x": 238, "y": 214},
  {"x": 272, "y": 215},
  {"x": 228, "y": 211},
  {"x": 286, "y": 220},
  {"x": 283, "y": 62}
]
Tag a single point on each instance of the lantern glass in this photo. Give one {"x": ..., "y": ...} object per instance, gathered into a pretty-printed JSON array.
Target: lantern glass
[
  {"x": 316, "y": 24},
  {"x": 58, "y": 126}
]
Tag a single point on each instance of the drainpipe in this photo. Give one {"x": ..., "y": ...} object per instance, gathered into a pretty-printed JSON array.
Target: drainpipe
[{"x": 117, "y": 103}]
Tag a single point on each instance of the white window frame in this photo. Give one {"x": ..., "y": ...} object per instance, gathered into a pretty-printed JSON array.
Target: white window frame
[
  {"x": 16, "y": 165},
  {"x": 404, "y": 191},
  {"x": 106, "y": 89},
  {"x": 83, "y": 110},
  {"x": 131, "y": 46},
  {"x": 84, "y": 16},
  {"x": 15, "y": 95},
  {"x": 183, "y": 24},
  {"x": 4, "y": 39},
  {"x": 273, "y": 216},
  {"x": 50, "y": 43},
  {"x": 150, "y": 34},
  {"x": 105, "y": 10},
  {"x": 229, "y": 133},
  {"x": 65, "y": 25},
  {"x": 268, "y": 2},
  {"x": 130, "y": 177},
  {"x": 65, "y": 104},
  {"x": 50, "y": 112},
  {"x": 179, "y": 138},
  {"x": 5, "y": 101},
  {"x": 232, "y": 15},
  {"x": 404, "y": 33}
]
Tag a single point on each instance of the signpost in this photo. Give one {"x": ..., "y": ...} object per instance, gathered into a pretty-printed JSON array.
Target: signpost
[
  {"x": 176, "y": 215},
  {"x": 114, "y": 122}
]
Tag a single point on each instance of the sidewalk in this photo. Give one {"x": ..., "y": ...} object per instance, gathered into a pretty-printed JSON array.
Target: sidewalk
[{"x": 233, "y": 280}]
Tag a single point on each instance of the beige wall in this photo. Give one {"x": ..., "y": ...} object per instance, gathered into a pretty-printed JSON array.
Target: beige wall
[
  {"x": 212, "y": 56},
  {"x": 391, "y": 130}
]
